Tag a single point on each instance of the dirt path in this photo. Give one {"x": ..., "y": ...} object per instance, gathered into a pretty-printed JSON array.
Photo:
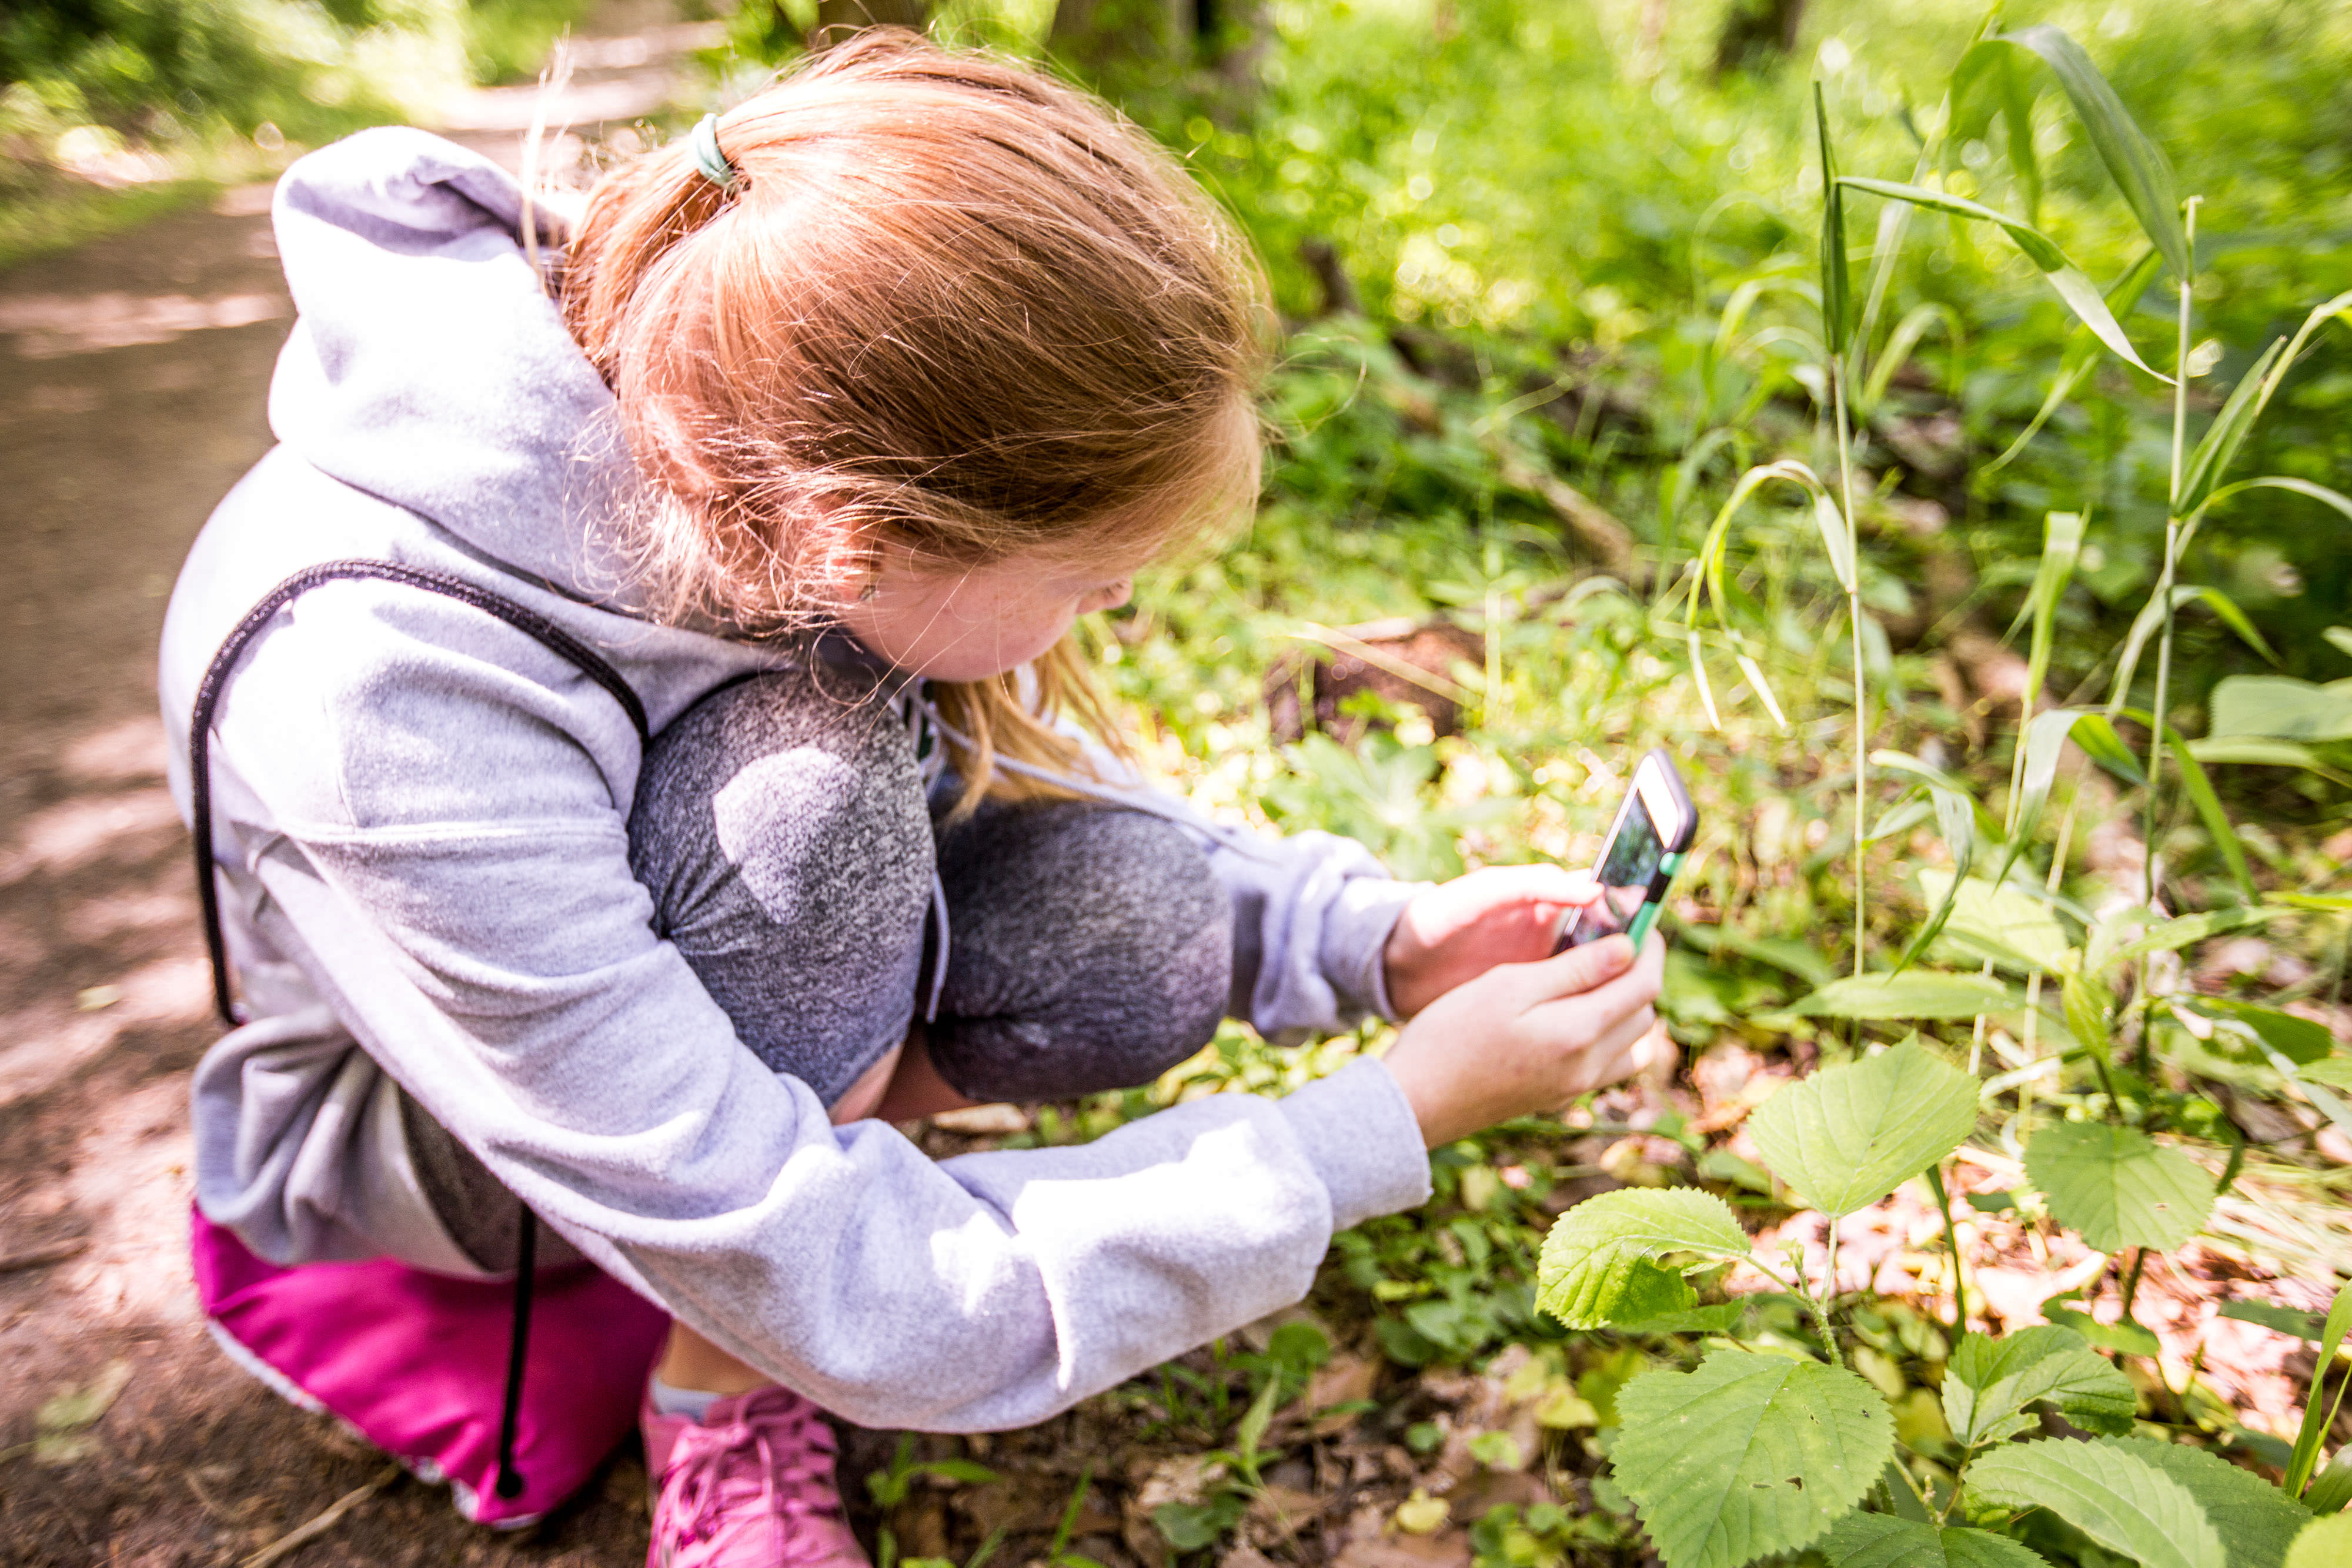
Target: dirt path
[{"x": 132, "y": 375}]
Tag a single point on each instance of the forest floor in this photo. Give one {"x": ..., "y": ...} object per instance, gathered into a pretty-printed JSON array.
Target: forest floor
[{"x": 133, "y": 398}]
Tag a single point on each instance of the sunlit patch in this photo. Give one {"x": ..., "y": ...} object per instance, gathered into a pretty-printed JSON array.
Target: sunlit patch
[{"x": 50, "y": 326}]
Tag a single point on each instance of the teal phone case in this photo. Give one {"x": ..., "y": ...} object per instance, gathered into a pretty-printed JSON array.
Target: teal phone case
[{"x": 1647, "y": 916}]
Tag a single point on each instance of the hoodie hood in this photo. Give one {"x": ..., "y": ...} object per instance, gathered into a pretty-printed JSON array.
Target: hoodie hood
[{"x": 428, "y": 367}]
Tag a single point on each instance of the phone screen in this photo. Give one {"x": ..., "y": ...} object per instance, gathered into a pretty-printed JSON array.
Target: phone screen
[{"x": 1627, "y": 868}]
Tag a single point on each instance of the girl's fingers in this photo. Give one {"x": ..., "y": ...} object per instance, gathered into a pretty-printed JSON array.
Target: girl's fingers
[{"x": 1575, "y": 972}]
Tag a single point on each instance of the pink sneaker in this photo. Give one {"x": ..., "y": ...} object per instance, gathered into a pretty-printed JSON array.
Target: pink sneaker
[{"x": 749, "y": 1486}]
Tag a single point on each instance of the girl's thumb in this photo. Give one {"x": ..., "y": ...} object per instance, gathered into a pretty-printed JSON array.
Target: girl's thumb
[{"x": 1595, "y": 964}]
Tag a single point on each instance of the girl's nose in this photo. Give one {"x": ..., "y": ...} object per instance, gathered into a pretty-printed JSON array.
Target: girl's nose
[{"x": 1111, "y": 598}]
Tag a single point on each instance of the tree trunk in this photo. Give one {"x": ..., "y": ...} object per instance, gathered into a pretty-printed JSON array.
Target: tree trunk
[
  {"x": 1756, "y": 33},
  {"x": 838, "y": 19}
]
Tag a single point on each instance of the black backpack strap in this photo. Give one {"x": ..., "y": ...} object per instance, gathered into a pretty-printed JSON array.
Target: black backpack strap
[{"x": 550, "y": 635}]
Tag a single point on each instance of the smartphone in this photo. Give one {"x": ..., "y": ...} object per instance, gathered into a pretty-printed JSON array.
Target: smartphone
[{"x": 1646, "y": 844}]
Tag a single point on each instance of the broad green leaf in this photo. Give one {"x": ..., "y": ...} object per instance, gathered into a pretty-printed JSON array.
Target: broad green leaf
[
  {"x": 2301, "y": 1040},
  {"x": 2335, "y": 1071},
  {"x": 2134, "y": 162},
  {"x": 2255, "y": 1521},
  {"x": 1913, "y": 994},
  {"x": 2108, "y": 1492},
  {"x": 2116, "y": 1187},
  {"x": 1600, "y": 1262},
  {"x": 1837, "y": 289},
  {"x": 2324, "y": 1543},
  {"x": 2003, "y": 924},
  {"x": 2280, "y": 707},
  {"x": 1724, "y": 1317},
  {"x": 2081, "y": 295},
  {"x": 2219, "y": 448},
  {"x": 2316, "y": 1420},
  {"x": 2185, "y": 930},
  {"x": 1882, "y": 1540},
  {"x": 1846, "y": 1136},
  {"x": 1747, "y": 1455},
  {"x": 2267, "y": 754},
  {"x": 1990, "y": 1382},
  {"x": 2123, "y": 1335}
]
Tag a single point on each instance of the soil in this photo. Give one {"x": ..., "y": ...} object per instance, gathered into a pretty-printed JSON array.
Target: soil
[{"x": 135, "y": 397}]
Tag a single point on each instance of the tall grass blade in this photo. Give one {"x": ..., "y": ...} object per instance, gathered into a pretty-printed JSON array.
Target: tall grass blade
[
  {"x": 2061, "y": 545},
  {"x": 1905, "y": 340},
  {"x": 2199, "y": 787},
  {"x": 2081, "y": 295},
  {"x": 2137, "y": 165},
  {"x": 2319, "y": 493},
  {"x": 2315, "y": 1422},
  {"x": 1837, "y": 289},
  {"x": 2228, "y": 430},
  {"x": 2221, "y": 605},
  {"x": 1956, "y": 821},
  {"x": 2081, "y": 356},
  {"x": 2045, "y": 743}
]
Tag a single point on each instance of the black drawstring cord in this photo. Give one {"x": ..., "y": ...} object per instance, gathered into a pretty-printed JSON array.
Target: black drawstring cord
[
  {"x": 509, "y": 1482},
  {"x": 531, "y": 623},
  {"x": 551, "y": 636}
]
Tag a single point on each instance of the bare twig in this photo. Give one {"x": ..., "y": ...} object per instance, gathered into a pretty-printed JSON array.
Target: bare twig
[
  {"x": 1609, "y": 541},
  {"x": 326, "y": 1520}
]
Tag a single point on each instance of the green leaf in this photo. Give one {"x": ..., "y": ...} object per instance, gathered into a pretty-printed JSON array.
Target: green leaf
[
  {"x": 2335, "y": 1071},
  {"x": 2110, "y": 1494},
  {"x": 2255, "y": 1521},
  {"x": 1989, "y": 1383},
  {"x": 1747, "y": 1455},
  {"x": 1913, "y": 994},
  {"x": 2123, "y": 1336},
  {"x": 1600, "y": 1262},
  {"x": 2185, "y": 930},
  {"x": 1882, "y": 1540},
  {"x": 1837, "y": 288},
  {"x": 2324, "y": 1543},
  {"x": 2045, "y": 744},
  {"x": 2278, "y": 1320},
  {"x": 2226, "y": 608},
  {"x": 2316, "y": 1421},
  {"x": 1955, "y": 820},
  {"x": 2134, "y": 162},
  {"x": 2301, "y": 1040},
  {"x": 2081, "y": 356},
  {"x": 2081, "y": 295},
  {"x": 2116, "y": 1187},
  {"x": 2004, "y": 924},
  {"x": 1722, "y": 1317},
  {"x": 2219, "y": 447},
  {"x": 2280, "y": 707},
  {"x": 2320, "y": 493},
  {"x": 2198, "y": 787},
  {"x": 1847, "y": 1136},
  {"x": 2062, "y": 545}
]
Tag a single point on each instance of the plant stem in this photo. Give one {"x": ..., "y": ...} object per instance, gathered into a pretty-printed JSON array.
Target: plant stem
[
  {"x": 1952, "y": 1247},
  {"x": 2180, "y": 379},
  {"x": 2131, "y": 1282},
  {"x": 1861, "y": 689}
]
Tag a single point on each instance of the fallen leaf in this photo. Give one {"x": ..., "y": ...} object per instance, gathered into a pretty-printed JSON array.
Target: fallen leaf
[
  {"x": 60, "y": 1425},
  {"x": 1421, "y": 1514}
]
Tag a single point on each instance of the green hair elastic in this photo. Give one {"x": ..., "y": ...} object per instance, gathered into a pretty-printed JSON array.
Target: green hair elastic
[{"x": 712, "y": 163}]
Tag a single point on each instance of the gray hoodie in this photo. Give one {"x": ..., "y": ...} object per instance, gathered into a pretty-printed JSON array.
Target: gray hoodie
[{"x": 423, "y": 868}]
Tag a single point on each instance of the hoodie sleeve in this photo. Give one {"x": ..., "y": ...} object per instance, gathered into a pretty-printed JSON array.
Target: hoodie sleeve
[{"x": 453, "y": 862}]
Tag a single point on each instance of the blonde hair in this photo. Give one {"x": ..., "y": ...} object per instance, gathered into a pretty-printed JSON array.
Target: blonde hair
[{"x": 950, "y": 305}]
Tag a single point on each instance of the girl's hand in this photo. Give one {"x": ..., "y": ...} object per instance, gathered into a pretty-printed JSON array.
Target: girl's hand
[
  {"x": 1457, "y": 931},
  {"x": 1526, "y": 1038}
]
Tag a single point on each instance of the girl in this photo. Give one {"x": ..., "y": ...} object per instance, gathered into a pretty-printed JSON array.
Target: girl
[{"x": 839, "y": 414}]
